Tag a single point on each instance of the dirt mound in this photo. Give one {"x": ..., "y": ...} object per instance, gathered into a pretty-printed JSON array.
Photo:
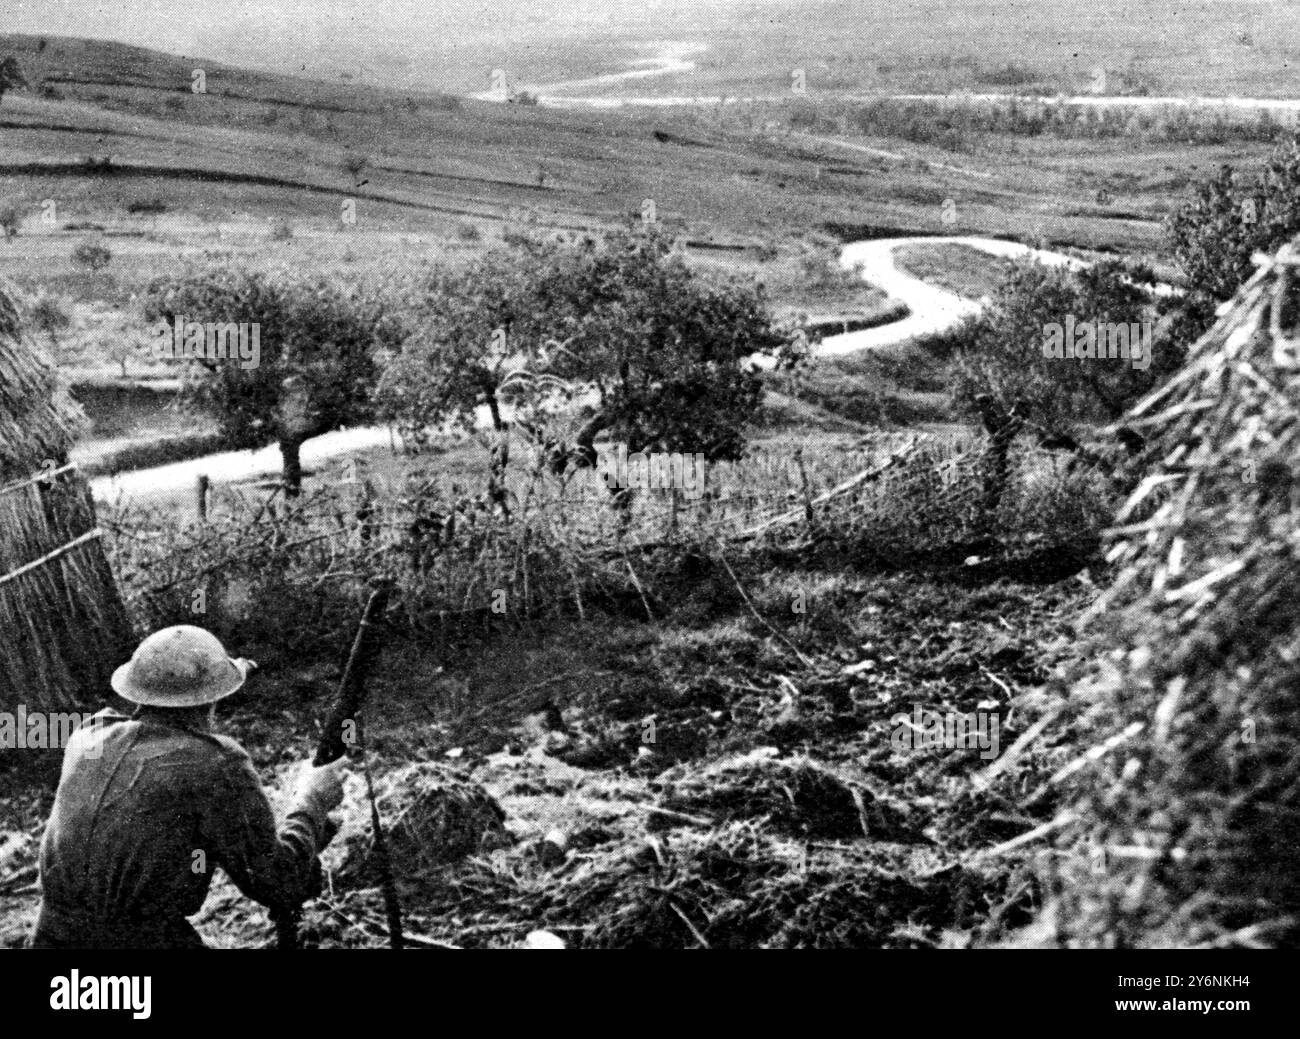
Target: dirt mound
[
  {"x": 431, "y": 815},
  {"x": 735, "y": 887},
  {"x": 798, "y": 796}
]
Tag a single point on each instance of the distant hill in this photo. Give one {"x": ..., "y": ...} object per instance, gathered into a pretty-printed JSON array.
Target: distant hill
[
  {"x": 77, "y": 66},
  {"x": 1184, "y": 47},
  {"x": 108, "y": 126}
]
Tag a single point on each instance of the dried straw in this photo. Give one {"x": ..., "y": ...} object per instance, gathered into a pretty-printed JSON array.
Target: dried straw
[
  {"x": 1206, "y": 609},
  {"x": 62, "y": 623}
]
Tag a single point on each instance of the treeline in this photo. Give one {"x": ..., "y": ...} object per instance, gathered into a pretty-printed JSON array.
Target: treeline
[{"x": 955, "y": 125}]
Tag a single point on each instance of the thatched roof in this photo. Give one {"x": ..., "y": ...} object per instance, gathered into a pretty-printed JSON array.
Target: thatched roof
[
  {"x": 1198, "y": 810},
  {"x": 38, "y": 418}
]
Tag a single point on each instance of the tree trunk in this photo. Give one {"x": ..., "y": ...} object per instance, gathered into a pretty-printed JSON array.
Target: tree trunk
[
  {"x": 498, "y": 464},
  {"x": 584, "y": 444},
  {"x": 1002, "y": 428},
  {"x": 292, "y": 463}
]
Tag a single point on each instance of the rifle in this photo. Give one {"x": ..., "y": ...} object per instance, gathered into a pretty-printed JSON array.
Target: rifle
[{"x": 335, "y": 739}]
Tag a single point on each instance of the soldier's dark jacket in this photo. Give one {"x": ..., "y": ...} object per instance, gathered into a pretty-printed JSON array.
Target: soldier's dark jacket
[{"x": 145, "y": 810}]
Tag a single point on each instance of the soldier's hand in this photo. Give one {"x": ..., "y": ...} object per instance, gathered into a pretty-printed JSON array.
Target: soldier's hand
[{"x": 323, "y": 786}]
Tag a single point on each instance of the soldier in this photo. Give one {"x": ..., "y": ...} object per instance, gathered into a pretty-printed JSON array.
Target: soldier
[{"x": 148, "y": 804}]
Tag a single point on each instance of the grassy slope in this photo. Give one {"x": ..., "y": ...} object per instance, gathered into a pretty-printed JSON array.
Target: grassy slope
[
  {"x": 958, "y": 268},
  {"x": 484, "y": 159}
]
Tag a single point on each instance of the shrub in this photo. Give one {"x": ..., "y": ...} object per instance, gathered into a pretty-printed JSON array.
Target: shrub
[
  {"x": 48, "y": 315},
  {"x": 11, "y": 75},
  {"x": 11, "y": 219},
  {"x": 354, "y": 165},
  {"x": 93, "y": 256},
  {"x": 148, "y": 206},
  {"x": 1230, "y": 218},
  {"x": 97, "y": 165},
  {"x": 154, "y": 453},
  {"x": 1009, "y": 75}
]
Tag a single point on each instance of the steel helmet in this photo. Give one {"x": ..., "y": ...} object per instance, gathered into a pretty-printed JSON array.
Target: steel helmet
[{"x": 183, "y": 666}]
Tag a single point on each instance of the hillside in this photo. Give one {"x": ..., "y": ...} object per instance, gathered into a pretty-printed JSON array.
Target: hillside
[
  {"x": 257, "y": 147},
  {"x": 642, "y": 718}
]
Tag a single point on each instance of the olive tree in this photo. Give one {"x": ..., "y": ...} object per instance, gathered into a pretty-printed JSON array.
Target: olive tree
[
  {"x": 652, "y": 356},
  {"x": 1012, "y": 373},
  {"x": 315, "y": 367}
]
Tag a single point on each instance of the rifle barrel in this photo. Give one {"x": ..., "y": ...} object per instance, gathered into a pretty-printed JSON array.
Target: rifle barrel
[{"x": 333, "y": 744}]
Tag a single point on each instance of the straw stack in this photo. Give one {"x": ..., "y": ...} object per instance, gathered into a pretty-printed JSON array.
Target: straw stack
[
  {"x": 62, "y": 623},
  {"x": 1196, "y": 813}
]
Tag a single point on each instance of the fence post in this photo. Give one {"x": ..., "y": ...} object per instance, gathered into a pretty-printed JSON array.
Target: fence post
[{"x": 808, "y": 514}]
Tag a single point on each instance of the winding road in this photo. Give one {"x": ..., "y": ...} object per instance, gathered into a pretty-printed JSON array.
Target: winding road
[
  {"x": 671, "y": 59},
  {"x": 933, "y": 309}
]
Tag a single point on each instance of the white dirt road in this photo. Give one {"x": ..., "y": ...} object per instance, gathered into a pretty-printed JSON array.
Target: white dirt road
[{"x": 933, "y": 309}]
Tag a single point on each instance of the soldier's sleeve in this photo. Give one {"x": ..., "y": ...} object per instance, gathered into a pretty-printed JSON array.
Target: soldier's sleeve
[{"x": 270, "y": 866}]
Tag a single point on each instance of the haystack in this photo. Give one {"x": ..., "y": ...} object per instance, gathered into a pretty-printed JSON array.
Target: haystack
[
  {"x": 62, "y": 623},
  {"x": 1196, "y": 809}
]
